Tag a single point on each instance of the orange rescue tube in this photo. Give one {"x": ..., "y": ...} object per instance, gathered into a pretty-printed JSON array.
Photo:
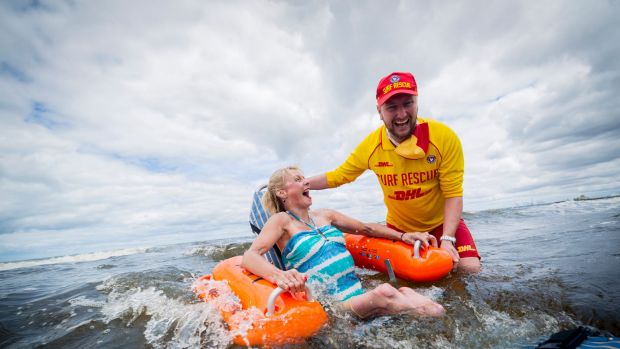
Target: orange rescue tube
[
  {"x": 371, "y": 253},
  {"x": 292, "y": 321}
]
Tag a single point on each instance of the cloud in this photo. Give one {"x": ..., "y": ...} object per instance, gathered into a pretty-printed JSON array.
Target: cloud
[{"x": 123, "y": 125}]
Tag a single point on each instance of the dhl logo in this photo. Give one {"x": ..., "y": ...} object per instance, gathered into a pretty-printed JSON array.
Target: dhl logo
[
  {"x": 465, "y": 248},
  {"x": 409, "y": 194},
  {"x": 383, "y": 164}
]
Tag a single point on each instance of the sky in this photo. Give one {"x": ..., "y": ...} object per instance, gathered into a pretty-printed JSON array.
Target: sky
[{"x": 138, "y": 123}]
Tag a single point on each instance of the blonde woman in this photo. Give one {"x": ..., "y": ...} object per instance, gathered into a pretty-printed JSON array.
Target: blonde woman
[{"x": 313, "y": 250}]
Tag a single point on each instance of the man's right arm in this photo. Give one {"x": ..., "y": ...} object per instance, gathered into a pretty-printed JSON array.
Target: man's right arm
[
  {"x": 318, "y": 182},
  {"x": 345, "y": 173},
  {"x": 351, "y": 168}
]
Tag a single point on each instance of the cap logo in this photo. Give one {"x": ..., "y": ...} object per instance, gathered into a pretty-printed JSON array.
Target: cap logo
[{"x": 395, "y": 83}]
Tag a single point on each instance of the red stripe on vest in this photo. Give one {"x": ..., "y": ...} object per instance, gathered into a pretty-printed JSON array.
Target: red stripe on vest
[{"x": 421, "y": 133}]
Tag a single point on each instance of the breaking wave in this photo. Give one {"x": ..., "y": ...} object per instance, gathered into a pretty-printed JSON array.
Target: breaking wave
[{"x": 85, "y": 257}]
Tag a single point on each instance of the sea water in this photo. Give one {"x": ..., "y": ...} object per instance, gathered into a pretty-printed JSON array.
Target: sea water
[{"x": 545, "y": 268}]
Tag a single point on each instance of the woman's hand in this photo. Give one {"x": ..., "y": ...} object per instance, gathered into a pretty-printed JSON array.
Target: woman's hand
[
  {"x": 426, "y": 238},
  {"x": 290, "y": 280}
]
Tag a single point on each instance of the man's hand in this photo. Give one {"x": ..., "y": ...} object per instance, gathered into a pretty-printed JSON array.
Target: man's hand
[
  {"x": 426, "y": 238},
  {"x": 448, "y": 246}
]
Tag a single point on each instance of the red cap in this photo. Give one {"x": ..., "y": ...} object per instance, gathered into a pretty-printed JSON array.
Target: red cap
[{"x": 395, "y": 83}]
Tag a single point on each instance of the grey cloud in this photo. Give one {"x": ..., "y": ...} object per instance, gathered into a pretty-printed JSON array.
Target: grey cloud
[
  {"x": 7, "y": 69},
  {"x": 117, "y": 119}
]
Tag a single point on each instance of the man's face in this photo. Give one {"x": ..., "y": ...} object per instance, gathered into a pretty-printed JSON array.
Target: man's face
[{"x": 399, "y": 114}]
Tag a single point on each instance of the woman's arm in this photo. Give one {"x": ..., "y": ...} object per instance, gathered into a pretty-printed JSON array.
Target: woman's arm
[
  {"x": 353, "y": 226},
  {"x": 254, "y": 262}
]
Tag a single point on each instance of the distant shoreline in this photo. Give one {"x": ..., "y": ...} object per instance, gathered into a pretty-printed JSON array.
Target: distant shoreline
[{"x": 584, "y": 198}]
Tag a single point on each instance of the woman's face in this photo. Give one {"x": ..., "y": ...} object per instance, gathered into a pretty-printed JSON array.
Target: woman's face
[{"x": 296, "y": 190}]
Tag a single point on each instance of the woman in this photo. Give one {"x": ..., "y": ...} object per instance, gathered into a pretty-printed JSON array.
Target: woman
[{"x": 313, "y": 247}]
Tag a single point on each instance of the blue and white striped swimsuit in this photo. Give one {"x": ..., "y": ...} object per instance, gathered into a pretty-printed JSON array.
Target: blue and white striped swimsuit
[{"x": 324, "y": 259}]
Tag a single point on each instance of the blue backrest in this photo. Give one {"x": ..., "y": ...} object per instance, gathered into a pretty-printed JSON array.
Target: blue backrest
[{"x": 258, "y": 218}]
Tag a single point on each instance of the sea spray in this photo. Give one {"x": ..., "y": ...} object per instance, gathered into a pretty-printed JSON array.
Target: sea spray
[{"x": 169, "y": 323}]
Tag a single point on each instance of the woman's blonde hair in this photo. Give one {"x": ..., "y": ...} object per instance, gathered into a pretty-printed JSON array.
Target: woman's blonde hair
[{"x": 272, "y": 203}]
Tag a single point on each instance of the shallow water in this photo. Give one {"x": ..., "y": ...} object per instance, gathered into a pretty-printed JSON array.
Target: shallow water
[{"x": 546, "y": 268}]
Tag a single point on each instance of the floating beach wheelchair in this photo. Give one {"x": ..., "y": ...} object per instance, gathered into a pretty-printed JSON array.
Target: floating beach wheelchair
[
  {"x": 256, "y": 311},
  {"x": 260, "y": 313}
]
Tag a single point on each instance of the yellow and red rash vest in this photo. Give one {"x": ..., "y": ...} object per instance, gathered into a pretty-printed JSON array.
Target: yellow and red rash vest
[{"x": 416, "y": 183}]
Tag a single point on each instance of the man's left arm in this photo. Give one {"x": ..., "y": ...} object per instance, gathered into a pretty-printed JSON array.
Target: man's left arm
[
  {"x": 453, "y": 208},
  {"x": 452, "y": 212},
  {"x": 451, "y": 173}
]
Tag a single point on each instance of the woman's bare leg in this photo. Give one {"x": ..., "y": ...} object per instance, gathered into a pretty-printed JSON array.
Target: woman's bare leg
[{"x": 385, "y": 299}]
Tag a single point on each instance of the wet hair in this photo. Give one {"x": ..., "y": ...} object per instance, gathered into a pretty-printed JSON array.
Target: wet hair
[{"x": 272, "y": 203}]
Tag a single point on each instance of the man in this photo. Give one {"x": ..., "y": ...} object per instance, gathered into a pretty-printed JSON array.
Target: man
[{"x": 419, "y": 164}]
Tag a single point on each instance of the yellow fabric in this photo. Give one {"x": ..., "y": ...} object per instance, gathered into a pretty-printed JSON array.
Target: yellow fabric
[
  {"x": 409, "y": 149},
  {"x": 415, "y": 184}
]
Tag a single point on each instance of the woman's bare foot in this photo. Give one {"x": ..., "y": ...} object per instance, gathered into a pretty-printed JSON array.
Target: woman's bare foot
[{"x": 421, "y": 305}]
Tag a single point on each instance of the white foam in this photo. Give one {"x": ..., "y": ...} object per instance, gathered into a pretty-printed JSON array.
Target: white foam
[
  {"x": 201, "y": 251},
  {"x": 171, "y": 323},
  {"x": 435, "y": 293},
  {"x": 82, "y": 301},
  {"x": 86, "y": 257},
  {"x": 365, "y": 272}
]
